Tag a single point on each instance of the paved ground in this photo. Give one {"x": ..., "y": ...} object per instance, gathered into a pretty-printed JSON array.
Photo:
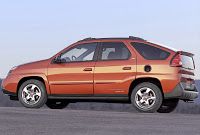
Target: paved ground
[{"x": 21, "y": 121}]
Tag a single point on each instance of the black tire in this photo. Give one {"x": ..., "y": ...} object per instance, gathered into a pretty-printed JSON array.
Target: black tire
[
  {"x": 41, "y": 101},
  {"x": 156, "y": 103},
  {"x": 168, "y": 106},
  {"x": 56, "y": 104}
]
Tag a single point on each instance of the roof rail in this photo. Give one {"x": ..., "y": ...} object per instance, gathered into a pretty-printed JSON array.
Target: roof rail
[
  {"x": 130, "y": 37},
  {"x": 136, "y": 38},
  {"x": 86, "y": 39}
]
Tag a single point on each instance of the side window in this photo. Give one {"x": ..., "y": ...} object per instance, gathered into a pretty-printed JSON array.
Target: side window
[
  {"x": 150, "y": 52},
  {"x": 114, "y": 51},
  {"x": 84, "y": 52}
]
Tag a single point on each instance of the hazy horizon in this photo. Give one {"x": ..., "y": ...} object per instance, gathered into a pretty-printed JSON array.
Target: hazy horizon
[{"x": 36, "y": 30}]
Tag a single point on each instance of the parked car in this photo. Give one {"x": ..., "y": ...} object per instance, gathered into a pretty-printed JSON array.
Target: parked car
[{"x": 124, "y": 70}]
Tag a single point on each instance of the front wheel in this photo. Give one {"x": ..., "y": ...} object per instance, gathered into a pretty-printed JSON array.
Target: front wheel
[
  {"x": 168, "y": 106},
  {"x": 146, "y": 97},
  {"x": 32, "y": 94},
  {"x": 56, "y": 104}
]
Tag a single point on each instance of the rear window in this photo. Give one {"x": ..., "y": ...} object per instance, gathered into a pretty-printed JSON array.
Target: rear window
[
  {"x": 150, "y": 52},
  {"x": 187, "y": 62}
]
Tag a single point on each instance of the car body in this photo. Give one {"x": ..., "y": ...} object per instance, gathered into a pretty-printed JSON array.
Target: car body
[{"x": 108, "y": 70}]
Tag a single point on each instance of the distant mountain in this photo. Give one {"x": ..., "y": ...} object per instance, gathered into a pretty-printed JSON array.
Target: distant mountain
[
  {"x": 198, "y": 84},
  {"x": 0, "y": 83}
]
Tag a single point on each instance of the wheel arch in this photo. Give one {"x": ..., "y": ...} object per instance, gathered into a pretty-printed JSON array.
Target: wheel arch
[
  {"x": 39, "y": 78},
  {"x": 142, "y": 80}
]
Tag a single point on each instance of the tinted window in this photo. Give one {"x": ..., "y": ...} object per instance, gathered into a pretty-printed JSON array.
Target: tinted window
[
  {"x": 114, "y": 51},
  {"x": 150, "y": 52},
  {"x": 83, "y": 52}
]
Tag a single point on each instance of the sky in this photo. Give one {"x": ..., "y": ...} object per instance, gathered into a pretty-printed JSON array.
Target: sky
[{"x": 38, "y": 29}]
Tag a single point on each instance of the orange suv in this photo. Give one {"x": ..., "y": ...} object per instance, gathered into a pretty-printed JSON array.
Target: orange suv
[{"x": 125, "y": 70}]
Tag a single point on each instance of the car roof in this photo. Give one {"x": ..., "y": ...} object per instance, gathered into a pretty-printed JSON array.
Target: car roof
[{"x": 130, "y": 38}]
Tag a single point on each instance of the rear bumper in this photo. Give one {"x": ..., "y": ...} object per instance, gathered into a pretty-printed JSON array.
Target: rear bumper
[{"x": 183, "y": 92}]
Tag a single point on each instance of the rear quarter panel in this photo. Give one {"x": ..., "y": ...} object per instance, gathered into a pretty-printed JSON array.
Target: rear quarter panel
[{"x": 161, "y": 69}]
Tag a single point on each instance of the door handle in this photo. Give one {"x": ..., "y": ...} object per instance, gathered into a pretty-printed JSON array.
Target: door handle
[
  {"x": 126, "y": 68},
  {"x": 87, "y": 69}
]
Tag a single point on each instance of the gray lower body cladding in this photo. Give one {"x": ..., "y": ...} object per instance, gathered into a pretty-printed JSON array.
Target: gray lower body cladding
[{"x": 182, "y": 91}]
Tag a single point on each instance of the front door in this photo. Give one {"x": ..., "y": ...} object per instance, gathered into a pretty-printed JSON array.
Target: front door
[{"x": 74, "y": 76}]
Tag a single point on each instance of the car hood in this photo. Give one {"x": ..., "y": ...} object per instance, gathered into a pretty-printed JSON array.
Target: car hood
[
  {"x": 32, "y": 67},
  {"x": 33, "y": 63}
]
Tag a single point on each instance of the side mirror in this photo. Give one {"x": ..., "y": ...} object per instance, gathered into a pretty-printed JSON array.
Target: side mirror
[{"x": 58, "y": 60}]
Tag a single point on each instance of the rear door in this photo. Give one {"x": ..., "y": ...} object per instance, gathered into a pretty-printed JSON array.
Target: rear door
[{"x": 114, "y": 70}]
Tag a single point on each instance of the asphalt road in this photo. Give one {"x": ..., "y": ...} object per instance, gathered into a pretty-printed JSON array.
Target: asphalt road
[{"x": 21, "y": 121}]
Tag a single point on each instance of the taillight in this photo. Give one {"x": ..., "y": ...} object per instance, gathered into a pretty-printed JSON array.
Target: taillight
[
  {"x": 176, "y": 61},
  {"x": 187, "y": 80}
]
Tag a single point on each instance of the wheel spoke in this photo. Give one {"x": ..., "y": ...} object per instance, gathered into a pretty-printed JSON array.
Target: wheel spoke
[
  {"x": 33, "y": 98},
  {"x": 28, "y": 97},
  {"x": 139, "y": 93},
  {"x": 147, "y": 102},
  {"x": 142, "y": 101},
  {"x": 152, "y": 98},
  {"x": 37, "y": 94},
  {"x": 33, "y": 87},
  {"x": 148, "y": 90},
  {"x": 26, "y": 90},
  {"x": 138, "y": 102}
]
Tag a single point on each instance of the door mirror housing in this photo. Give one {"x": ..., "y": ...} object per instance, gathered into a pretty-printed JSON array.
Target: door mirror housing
[{"x": 58, "y": 60}]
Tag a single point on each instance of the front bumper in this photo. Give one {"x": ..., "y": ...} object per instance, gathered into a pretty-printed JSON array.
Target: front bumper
[
  {"x": 12, "y": 95},
  {"x": 8, "y": 93},
  {"x": 183, "y": 92}
]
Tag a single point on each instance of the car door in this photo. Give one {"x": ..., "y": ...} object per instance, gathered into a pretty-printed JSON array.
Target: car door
[
  {"x": 74, "y": 76},
  {"x": 115, "y": 69}
]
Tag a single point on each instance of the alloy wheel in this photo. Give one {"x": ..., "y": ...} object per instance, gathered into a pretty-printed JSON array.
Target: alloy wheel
[
  {"x": 145, "y": 98},
  {"x": 31, "y": 94}
]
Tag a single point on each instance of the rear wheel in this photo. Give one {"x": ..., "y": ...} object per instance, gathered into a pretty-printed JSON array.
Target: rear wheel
[
  {"x": 56, "y": 104},
  {"x": 146, "y": 97},
  {"x": 168, "y": 106},
  {"x": 32, "y": 94}
]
